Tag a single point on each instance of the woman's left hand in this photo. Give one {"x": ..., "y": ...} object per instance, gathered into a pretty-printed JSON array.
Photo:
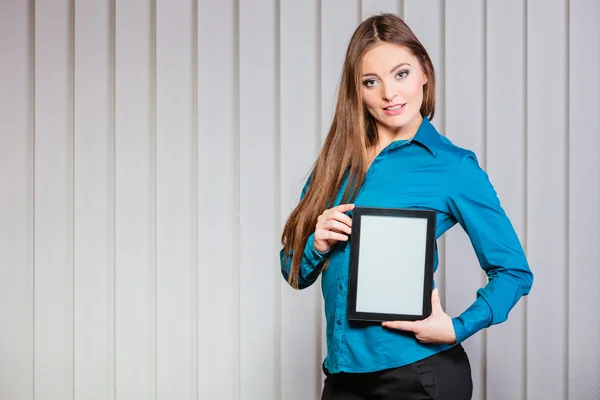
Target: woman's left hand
[{"x": 437, "y": 328}]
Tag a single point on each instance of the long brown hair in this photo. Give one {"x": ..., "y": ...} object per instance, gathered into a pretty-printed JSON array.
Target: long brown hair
[{"x": 352, "y": 133}]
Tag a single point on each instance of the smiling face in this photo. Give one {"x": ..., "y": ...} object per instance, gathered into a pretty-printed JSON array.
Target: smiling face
[{"x": 392, "y": 89}]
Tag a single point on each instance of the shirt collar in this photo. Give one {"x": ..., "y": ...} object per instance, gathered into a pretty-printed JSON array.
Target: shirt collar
[{"x": 428, "y": 136}]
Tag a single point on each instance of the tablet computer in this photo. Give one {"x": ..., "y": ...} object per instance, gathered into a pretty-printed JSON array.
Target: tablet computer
[{"x": 391, "y": 264}]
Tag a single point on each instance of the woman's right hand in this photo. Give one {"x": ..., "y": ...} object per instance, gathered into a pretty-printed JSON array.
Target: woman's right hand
[{"x": 333, "y": 226}]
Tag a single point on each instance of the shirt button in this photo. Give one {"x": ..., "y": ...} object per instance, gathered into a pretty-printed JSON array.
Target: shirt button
[{"x": 338, "y": 322}]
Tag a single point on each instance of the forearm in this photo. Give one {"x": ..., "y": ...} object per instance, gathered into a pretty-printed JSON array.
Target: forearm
[
  {"x": 494, "y": 301},
  {"x": 310, "y": 265}
]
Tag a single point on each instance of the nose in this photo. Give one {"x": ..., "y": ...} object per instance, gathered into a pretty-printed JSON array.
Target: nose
[{"x": 388, "y": 92}]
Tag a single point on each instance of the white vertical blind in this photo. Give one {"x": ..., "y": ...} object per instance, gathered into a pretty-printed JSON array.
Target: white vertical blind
[
  {"x": 176, "y": 192},
  {"x": 506, "y": 139},
  {"x": 151, "y": 151},
  {"x": 93, "y": 214},
  {"x": 16, "y": 201},
  {"x": 259, "y": 206},
  {"x": 54, "y": 207},
  {"x": 218, "y": 201},
  {"x": 583, "y": 215},
  {"x": 300, "y": 139},
  {"x": 135, "y": 201},
  {"x": 464, "y": 69},
  {"x": 547, "y": 196}
]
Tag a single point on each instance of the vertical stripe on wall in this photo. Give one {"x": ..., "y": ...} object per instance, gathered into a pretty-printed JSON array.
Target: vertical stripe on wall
[
  {"x": 53, "y": 248},
  {"x": 299, "y": 143},
  {"x": 547, "y": 175},
  {"x": 93, "y": 201},
  {"x": 465, "y": 126},
  {"x": 135, "y": 191},
  {"x": 584, "y": 202},
  {"x": 505, "y": 162},
  {"x": 176, "y": 238},
  {"x": 259, "y": 200},
  {"x": 218, "y": 201},
  {"x": 16, "y": 200}
]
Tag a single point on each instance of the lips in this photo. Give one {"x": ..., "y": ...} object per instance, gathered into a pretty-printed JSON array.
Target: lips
[{"x": 394, "y": 109}]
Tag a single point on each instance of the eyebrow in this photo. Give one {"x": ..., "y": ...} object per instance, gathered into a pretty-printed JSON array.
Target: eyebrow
[{"x": 392, "y": 70}]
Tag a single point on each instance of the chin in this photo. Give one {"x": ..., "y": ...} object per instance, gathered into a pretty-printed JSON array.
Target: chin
[{"x": 396, "y": 122}]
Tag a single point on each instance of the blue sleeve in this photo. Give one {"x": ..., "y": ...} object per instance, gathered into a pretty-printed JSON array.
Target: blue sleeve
[
  {"x": 312, "y": 259},
  {"x": 475, "y": 205}
]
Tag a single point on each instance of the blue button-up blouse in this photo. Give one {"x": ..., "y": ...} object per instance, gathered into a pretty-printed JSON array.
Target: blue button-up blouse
[{"x": 427, "y": 172}]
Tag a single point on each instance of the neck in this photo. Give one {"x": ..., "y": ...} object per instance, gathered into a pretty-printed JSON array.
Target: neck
[{"x": 386, "y": 135}]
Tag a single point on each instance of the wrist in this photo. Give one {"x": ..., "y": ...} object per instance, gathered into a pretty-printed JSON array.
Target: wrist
[
  {"x": 312, "y": 251},
  {"x": 321, "y": 247}
]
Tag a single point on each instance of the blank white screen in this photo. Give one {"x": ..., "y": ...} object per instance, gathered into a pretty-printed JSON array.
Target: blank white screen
[{"x": 391, "y": 265}]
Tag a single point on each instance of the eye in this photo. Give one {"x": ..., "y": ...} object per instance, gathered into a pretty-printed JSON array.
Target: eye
[
  {"x": 369, "y": 82},
  {"x": 402, "y": 74}
]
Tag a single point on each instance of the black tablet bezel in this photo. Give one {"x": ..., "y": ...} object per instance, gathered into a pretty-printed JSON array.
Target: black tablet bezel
[{"x": 357, "y": 213}]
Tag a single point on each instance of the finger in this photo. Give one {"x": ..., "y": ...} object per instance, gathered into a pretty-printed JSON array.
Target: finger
[
  {"x": 329, "y": 223},
  {"x": 401, "y": 325},
  {"x": 339, "y": 216},
  {"x": 344, "y": 207},
  {"x": 323, "y": 234},
  {"x": 436, "y": 304},
  {"x": 341, "y": 208},
  {"x": 332, "y": 224}
]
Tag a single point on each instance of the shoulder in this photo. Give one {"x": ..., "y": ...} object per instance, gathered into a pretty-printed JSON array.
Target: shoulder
[
  {"x": 440, "y": 144},
  {"x": 466, "y": 175},
  {"x": 459, "y": 162},
  {"x": 455, "y": 154}
]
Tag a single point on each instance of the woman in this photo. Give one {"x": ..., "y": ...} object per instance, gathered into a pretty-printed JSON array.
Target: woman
[{"x": 382, "y": 151}]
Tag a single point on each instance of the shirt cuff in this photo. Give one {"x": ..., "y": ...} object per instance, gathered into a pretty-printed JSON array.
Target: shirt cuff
[
  {"x": 313, "y": 256},
  {"x": 459, "y": 330},
  {"x": 475, "y": 318}
]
